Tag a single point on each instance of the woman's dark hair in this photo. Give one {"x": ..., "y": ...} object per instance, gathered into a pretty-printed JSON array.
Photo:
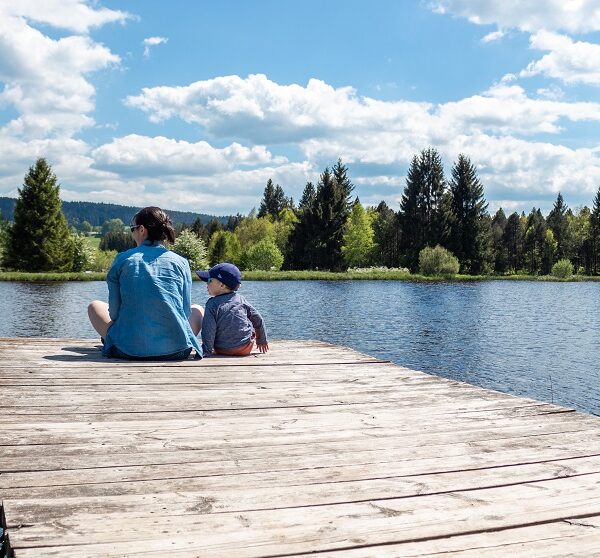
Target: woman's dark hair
[{"x": 157, "y": 223}]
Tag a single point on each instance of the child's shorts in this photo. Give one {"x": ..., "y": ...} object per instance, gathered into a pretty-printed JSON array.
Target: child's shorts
[{"x": 243, "y": 350}]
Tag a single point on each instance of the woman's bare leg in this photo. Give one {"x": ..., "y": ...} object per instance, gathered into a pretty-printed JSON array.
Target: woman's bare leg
[
  {"x": 99, "y": 316},
  {"x": 195, "y": 318}
]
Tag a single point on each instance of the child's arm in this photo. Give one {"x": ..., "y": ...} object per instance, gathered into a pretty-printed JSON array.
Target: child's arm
[
  {"x": 209, "y": 330},
  {"x": 259, "y": 327}
]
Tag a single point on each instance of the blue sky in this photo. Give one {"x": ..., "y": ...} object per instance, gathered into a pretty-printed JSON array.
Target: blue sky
[{"x": 195, "y": 105}]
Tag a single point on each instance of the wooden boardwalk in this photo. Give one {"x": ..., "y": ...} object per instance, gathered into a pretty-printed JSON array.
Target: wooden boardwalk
[{"x": 312, "y": 448}]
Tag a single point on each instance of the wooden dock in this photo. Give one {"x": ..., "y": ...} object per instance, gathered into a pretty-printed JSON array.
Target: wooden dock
[{"x": 310, "y": 449}]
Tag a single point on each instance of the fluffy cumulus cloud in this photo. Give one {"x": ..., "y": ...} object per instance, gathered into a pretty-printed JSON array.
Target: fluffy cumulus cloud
[
  {"x": 569, "y": 61},
  {"x": 498, "y": 129},
  {"x": 144, "y": 156},
  {"x": 244, "y": 123},
  {"x": 45, "y": 78},
  {"x": 573, "y": 16}
]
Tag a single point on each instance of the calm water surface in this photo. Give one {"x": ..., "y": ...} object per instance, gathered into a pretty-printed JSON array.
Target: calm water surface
[{"x": 533, "y": 339}]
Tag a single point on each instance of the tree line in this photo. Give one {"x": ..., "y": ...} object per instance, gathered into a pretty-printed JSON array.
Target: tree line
[{"x": 439, "y": 220}]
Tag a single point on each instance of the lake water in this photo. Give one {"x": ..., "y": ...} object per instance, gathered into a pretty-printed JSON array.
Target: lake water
[{"x": 534, "y": 339}]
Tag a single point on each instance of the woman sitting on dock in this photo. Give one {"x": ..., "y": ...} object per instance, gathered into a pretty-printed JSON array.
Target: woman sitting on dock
[{"x": 149, "y": 315}]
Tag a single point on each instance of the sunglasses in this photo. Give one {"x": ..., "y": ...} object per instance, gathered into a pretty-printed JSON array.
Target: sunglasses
[{"x": 133, "y": 227}]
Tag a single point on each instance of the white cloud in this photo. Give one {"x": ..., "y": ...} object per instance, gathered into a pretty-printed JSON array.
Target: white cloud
[
  {"x": 145, "y": 156},
  {"x": 44, "y": 78},
  {"x": 264, "y": 112},
  {"x": 493, "y": 36},
  {"x": 153, "y": 41},
  {"x": 574, "y": 16},
  {"x": 73, "y": 15},
  {"x": 568, "y": 60}
]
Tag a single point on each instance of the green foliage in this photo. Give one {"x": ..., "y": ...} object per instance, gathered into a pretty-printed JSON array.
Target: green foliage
[
  {"x": 102, "y": 260},
  {"x": 358, "y": 238},
  {"x": 386, "y": 236},
  {"x": 224, "y": 246},
  {"x": 283, "y": 229},
  {"x": 86, "y": 227},
  {"x": 112, "y": 225},
  {"x": 118, "y": 240},
  {"x": 593, "y": 237},
  {"x": 470, "y": 230},
  {"x": 253, "y": 229},
  {"x": 557, "y": 223},
  {"x": 534, "y": 242},
  {"x": 264, "y": 255},
  {"x": 273, "y": 202},
  {"x": 563, "y": 269},
  {"x": 437, "y": 261},
  {"x": 40, "y": 239},
  {"x": 425, "y": 206},
  {"x": 316, "y": 241},
  {"x": 192, "y": 248},
  {"x": 83, "y": 253},
  {"x": 549, "y": 251}
]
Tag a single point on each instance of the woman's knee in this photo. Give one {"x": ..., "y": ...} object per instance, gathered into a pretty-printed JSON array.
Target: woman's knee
[{"x": 196, "y": 317}]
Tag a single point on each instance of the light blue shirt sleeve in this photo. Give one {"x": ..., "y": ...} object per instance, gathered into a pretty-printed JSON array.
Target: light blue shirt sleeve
[{"x": 114, "y": 289}]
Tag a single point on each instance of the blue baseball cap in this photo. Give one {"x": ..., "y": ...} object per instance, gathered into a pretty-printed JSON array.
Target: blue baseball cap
[{"x": 225, "y": 272}]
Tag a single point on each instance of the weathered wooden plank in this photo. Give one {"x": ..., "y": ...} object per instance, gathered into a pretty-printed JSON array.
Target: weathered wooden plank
[
  {"x": 260, "y": 532},
  {"x": 72, "y": 438},
  {"x": 269, "y": 491},
  {"x": 311, "y": 448}
]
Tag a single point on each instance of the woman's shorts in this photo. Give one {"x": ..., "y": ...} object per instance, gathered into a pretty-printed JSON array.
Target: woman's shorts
[{"x": 181, "y": 355}]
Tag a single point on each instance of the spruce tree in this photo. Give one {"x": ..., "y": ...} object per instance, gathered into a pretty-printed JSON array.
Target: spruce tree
[
  {"x": 512, "y": 243},
  {"x": 535, "y": 240},
  {"x": 387, "y": 230},
  {"x": 593, "y": 237},
  {"x": 499, "y": 251},
  {"x": 273, "y": 201},
  {"x": 40, "y": 239},
  {"x": 470, "y": 232},
  {"x": 557, "y": 222},
  {"x": 316, "y": 242},
  {"x": 333, "y": 209},
  {"x": 425, "y": 207}
]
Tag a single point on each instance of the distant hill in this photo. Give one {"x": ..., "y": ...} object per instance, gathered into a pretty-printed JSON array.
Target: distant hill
[{"x": 96, "y": 213}]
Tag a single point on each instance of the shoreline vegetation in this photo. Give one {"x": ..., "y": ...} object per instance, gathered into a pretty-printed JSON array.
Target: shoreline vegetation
[{"x": 313, "y": 275}]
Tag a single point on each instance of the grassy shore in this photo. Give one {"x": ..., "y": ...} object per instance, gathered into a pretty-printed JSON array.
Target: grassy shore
[{"x": 377, "y": 274}]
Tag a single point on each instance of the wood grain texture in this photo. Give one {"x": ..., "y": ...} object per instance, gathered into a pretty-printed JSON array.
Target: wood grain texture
[{"x": 310, "y": 448}]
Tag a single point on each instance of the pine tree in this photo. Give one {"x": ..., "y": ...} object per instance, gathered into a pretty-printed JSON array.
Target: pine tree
[
  {"x": 512, "y": 243},
  {"x": 535, "y": 239},
  {"x": 593, "y": 237},
  {"x": 304, "y": 240},
  {"x": 557, "y": 222},
  {"x": 308, "y": 198},
  {"x": 39, "y": 239},
  {"x": 469, "y": 230},
  {"x": 316, "y": 242},
  {"x": 386, "y": 228},
  {"x": 273, "y": 201},
  {"x": 499, "y": 250},
  {"x": 425, "y": 207}
]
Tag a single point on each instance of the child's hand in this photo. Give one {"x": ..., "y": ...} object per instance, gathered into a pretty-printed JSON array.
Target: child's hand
[{"x": 263, "y": 348}]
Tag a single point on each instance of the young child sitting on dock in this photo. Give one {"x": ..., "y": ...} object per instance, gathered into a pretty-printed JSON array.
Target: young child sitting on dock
[{"x": 230, "y": 324}]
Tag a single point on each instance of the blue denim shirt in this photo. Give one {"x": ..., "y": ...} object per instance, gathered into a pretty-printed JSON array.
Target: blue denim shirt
[{"x": 149, "y": 301}]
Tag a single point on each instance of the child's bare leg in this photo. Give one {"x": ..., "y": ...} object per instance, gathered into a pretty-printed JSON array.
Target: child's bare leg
[
  {"x": 99, "y": 316},
  {"x": 195, "y": 318}
]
